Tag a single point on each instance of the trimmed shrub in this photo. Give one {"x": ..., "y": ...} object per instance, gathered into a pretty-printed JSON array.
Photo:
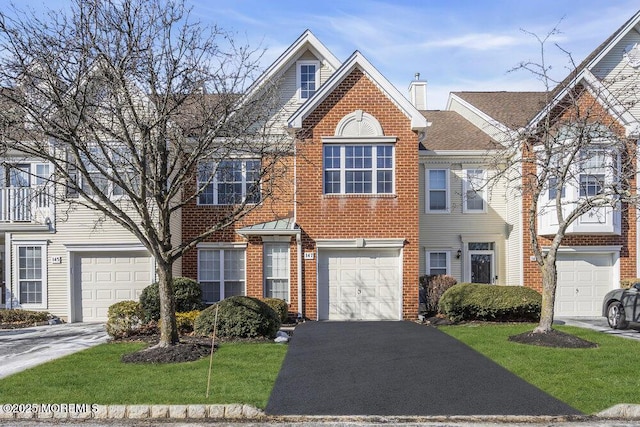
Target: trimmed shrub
[
  {"x": 628, "y": 283},
  {"x": 124, "y": 319},
  {"x": 280, "y": 306},
  {"x": 431, "y": 289},
  {"x": 188, "y": 297},
  {"x": 186, "y": 320},
  {"x": 239, "y": 317},
  {"x": 473, "y": 301},
  {"x": 26, "y": 317}
]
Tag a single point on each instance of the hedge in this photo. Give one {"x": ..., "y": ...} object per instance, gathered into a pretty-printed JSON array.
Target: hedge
[{"x": 473, "y": 301}]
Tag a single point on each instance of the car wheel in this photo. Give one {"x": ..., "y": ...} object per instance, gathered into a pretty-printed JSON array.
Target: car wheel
[{"x": 616, "y": 317}]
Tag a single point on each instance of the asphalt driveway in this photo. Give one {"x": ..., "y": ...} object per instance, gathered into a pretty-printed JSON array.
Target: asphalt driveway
[
  {"x": 21, "y": 349},
  {"x": 397, "y": 368}
]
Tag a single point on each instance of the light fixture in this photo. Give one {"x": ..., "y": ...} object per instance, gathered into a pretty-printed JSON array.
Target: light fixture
[{"x": 459, "y": 254}]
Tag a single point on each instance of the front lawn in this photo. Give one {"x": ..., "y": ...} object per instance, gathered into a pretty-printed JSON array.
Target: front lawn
[
  {"x": 589, "y": 380},
  {"x": 242, "y": 373}
]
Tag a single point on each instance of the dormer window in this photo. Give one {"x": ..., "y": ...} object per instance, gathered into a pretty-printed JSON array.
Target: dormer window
[{"x": 308, "y": 73}]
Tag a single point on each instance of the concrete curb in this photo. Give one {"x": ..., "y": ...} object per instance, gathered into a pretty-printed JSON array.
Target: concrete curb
[
  {"x": 241, "y": 412},
  {"x": 138, "y": 412}
]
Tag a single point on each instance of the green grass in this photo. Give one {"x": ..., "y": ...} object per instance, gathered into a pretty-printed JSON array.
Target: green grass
[
  {"x": 242, "y": 373},
  {"x": 589, "y": 380}
]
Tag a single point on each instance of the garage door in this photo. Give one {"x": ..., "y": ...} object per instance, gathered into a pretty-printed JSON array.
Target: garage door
[
  {"x": 101, "y": 279},
  {"x": 359, "y": 285},
  {"x": 583, "y": 280}
]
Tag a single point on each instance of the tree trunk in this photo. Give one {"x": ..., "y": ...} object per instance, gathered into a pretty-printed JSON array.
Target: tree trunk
[
  {"x": 168, "y": 327},
  {"x": 549, "y": 281}
]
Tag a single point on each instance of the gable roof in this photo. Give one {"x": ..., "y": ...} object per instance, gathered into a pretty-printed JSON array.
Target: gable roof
[
  {"x": 449, "y": 131},
  {"x": 306, "y": 41},
  {"x": 357, "y": 60}
]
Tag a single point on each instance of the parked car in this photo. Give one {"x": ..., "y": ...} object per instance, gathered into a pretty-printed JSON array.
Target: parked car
[{"x": 622, "y": 306}]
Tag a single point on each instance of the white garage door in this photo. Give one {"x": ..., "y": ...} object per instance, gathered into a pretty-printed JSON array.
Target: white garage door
[
  {"x": 583, "y": 280},
  {"x": 101, "y": 279},
  {"x": 359, "y": 285}
]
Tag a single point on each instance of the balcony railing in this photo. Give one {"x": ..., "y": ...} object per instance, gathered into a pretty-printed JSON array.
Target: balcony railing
[{"x": 26, "y": 204}]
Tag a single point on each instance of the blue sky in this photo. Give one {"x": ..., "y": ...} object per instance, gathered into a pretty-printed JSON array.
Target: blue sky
[{"x": 454, "y": 44}]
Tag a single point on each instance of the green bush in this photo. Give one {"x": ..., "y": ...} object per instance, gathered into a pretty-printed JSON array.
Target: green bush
[
  {"x": 187, "y": 292},
  {"x": 186, "y": 320},
  {"x": 280, "y": 306},
  {"x": 19, "y": 316},
  {"x": 473, "y": 301},
  {"x": 124, "y": 319},
  {"x": 239, "y": 317}
]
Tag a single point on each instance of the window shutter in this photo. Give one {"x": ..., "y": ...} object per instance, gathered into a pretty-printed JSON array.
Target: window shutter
[{"x": 72, "y": 180}]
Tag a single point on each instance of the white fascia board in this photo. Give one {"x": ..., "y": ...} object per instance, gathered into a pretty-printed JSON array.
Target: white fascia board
[
  {"x": 484, "y": 116},
  {"x": 306, "y": 40},
  {"x": 357, "y": 60},
  {"x": 459, "y": 153},
  {"x": 632, "y": 23},
  {"x": 609, "y": 102}
]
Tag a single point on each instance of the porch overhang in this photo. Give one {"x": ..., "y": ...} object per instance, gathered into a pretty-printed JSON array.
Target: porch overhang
[{"x": 279, "y": 227}]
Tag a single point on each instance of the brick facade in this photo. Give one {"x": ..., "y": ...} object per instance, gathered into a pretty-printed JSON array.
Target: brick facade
[
  {"x": 588, "y": 106},
  {"x": 359, "y": 216},
  {"x": 322, "y": 216}
]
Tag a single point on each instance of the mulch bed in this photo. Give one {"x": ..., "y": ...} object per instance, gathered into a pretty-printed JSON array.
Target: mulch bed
[
  {"x": 189, "y": 349},
  {"x": 552, "y": 338}
]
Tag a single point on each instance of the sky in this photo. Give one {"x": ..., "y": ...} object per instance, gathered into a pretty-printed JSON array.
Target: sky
[{"x": 455, "y": 45}]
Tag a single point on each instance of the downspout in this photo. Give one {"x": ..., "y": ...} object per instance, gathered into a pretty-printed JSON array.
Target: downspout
[
  {"x": 295, "y": 222},
  {"x": 8, "y": 284}
]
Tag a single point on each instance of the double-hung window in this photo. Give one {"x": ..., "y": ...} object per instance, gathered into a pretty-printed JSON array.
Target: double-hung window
[
  {"x": 276, "y": 270},
  {"x": 358, "y": 169},
  {"x": 553, "y": 188},
  {"x": 31, "y": 274},
  {"x": 437, "y": 263},
  {"x": 592, "y": 173},
  {"x": 229, "y": 182},
  {"x": 221, "y": 273},
  {"x": 437, "y": 181},
  {"x": 474, "y": 191},
  {"x": 308, "y": 76},
  {"x": 102, "y": 163}
]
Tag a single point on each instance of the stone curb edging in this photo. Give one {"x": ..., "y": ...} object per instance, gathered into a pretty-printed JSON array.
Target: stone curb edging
[
  {"x": 248, "y": 412},
  {"x": 103, "y": 412}
]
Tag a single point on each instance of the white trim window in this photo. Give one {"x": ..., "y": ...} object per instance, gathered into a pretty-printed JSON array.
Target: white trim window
[
  {"x": 308, "y": 78},
  {"x": 474, "y": 191},
  {"x": 438, "y": 262},
  {"x": 31, "y": 274},
  {"x": 229, "y": 182},
  {"x": 276, "y": 270},
  {"x": 221, "y": 273},
  {"x": 593, "y": 170},
  {"x": 437, "y": 184},
  {"x": 358, "y": 169}
]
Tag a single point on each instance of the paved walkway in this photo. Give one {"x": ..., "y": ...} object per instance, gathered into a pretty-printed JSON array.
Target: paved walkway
[
  {"x": 600, "y": 324},
  {"x": 397, "y": 368},
  {"x": 21, "y": 349}
]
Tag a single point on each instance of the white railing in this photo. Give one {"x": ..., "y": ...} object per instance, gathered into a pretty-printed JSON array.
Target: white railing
[{"x": 26, "y": 204}]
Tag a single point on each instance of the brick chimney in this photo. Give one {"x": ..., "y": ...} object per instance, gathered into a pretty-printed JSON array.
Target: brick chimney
[{"x": 418, "y": 93}]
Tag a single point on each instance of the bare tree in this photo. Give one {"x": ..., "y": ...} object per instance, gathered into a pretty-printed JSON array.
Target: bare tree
[
  {"x": 137, "y": 107},
  {"x": 573, "y": 161}
]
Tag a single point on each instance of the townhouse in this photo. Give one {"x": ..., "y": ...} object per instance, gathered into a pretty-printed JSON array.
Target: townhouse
[{"x": 380, "y": 191}]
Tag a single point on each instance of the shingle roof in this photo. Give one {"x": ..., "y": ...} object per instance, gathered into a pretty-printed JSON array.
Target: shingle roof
[
  {"x": 450, "y": 131},
  {"x": 512, "y": 109}
]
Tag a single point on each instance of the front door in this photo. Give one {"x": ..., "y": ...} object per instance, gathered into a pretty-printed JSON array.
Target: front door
[{"x": 481, "y": 267}]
